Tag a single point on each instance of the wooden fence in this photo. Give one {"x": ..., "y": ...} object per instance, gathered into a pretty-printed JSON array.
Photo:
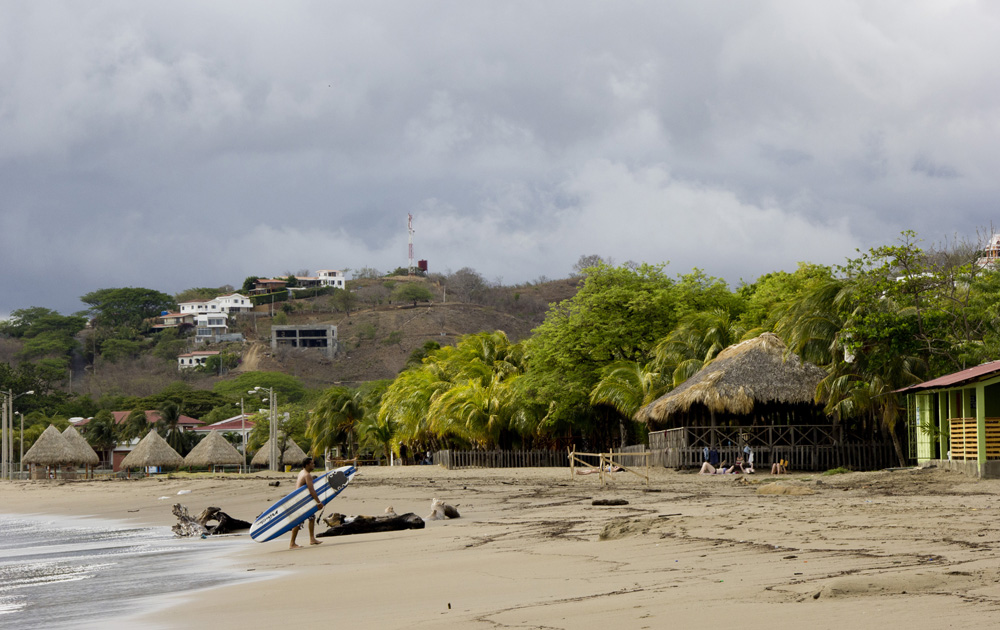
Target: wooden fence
[
  {"x": 635, "y": 462},
  {"x": 805, "y": 447},
  {"x": 500, "y": 459},
  {"x": 965, "y": 442}
]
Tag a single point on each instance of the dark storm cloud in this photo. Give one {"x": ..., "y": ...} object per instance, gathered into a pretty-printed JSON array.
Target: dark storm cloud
[{"x": 172, "y": 145}]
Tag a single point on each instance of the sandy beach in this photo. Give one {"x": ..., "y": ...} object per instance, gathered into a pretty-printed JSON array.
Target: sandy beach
[{"x": 915, "y": 547}]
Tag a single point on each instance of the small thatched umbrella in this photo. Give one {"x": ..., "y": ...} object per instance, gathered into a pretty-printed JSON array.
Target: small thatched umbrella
[
  {"x": 293, "y": 455},
  {"x": 754, "y": 372},
  {"x": 152, "y": 450},
  {"x": 83, "y": 452},
  {"x": 50, "y": 449},
  {"x": 213, "y": 450}
]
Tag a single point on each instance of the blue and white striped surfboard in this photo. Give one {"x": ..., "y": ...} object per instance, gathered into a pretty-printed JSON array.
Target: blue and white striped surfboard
[{"x": 299, "y": 505}]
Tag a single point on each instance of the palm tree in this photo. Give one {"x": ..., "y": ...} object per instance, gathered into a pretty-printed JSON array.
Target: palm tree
[
  {"x": 136, "y": 426},
  {"x": 376, "y": 432},
  {"x": 101, "y": 432},
  {"x": 169, "y": 427},
  {"x": 628, "y": 387},
  {"x": 335, "y": 417},
  {"x": 857, "y": 341},
  {"x": 475, "y": 412},
  {"x": 695, "y": 342}
]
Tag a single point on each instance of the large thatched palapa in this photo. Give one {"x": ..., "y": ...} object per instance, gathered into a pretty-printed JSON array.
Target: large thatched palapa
[
  {"x": 748, "y": 379},
  {"x": 152, "y": 450},
  {"x": 293, "y": 455},
  {"x": 213, "y": 450},
  {"x": 50, "y": 449},
  {"x": 83, "y": 452}
]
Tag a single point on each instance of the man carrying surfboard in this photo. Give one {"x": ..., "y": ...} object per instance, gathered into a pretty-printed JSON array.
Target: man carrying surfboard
[{"x": 306, "y": 479}]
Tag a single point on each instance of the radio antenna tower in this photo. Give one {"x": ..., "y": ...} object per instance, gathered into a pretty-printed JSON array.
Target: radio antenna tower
[{"x": 409, "y": 226}]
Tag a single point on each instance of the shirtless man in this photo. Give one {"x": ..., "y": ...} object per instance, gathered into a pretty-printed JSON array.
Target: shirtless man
[{"x": 306, "y": 479}]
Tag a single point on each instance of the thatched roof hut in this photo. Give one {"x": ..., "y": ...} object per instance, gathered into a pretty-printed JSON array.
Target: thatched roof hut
[
  {"x": 50, "y": 449},
  {"x": 740, "y": 381},
  {"x": 83, "y": 452},
  {"x": 213, "y": 450},
  {"x": 293, "y": 455},
  {"x": 152, "y": 450}
]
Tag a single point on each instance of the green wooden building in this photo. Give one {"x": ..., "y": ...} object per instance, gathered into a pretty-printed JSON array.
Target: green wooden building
[{"x": 954, "y": 420}]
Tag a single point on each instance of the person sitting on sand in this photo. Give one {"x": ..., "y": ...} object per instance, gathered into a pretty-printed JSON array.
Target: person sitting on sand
[
  {"x": 779, "y": 467},
  {"x": 306, "y": 479},
  {"x": 611, "y": 468},
  {"x": 708, "y": 469}
]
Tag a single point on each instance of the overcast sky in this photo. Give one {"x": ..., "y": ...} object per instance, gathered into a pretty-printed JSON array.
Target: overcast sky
[{"x": 171, "y": 145}]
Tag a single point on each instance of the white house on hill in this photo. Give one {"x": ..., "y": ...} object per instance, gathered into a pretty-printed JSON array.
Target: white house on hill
[
  {"x": 232, "y": 303},
  {"x": 194, "y": 359},
  {"x": 331, "y": 278}
]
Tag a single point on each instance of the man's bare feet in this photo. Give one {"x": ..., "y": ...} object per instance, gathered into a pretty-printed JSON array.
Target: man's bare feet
[
  {"x": 315, "y": 542},
  {"x": 295, "y": 546}
]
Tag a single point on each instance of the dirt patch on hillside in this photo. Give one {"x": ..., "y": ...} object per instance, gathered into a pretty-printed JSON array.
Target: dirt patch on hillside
[{"x": 375, "y": 343}]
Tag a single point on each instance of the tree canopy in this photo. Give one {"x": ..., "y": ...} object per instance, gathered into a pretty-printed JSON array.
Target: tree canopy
[{"x": 126, "y": 307}]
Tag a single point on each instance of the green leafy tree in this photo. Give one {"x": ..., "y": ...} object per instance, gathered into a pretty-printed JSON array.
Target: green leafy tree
[
  {"x": 249, "y": 283},
  {"x": 126, "y": 307},
  {"x": 412, "y": 292},
  {"x": 169, "y": 344},
  {"x": 618, "y": 315},
  {"x": 198, "y": 294},
  {"x": 767, "y": 298},
  {"x": 343, "y": 300},
  {"x": 220, "y": 413},
  {"x": 46, "y": 335},
  {"x": 117, "y": 349},
  {"x": 288, "y": 388}
]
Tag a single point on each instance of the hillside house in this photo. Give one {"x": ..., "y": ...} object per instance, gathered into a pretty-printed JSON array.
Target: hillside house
[
  {"x": 263, "y": 286},
  {"x": 180, "y": 321},
  {"x": 318, "y": 336},
  {"x": 232, "y": 303},
  {"x": 991, "y": 255},
  {"x": 331, "y": 278},
  {"x": 194, "y": 359}
]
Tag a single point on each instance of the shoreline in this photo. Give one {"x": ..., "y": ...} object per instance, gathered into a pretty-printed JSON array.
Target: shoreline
[{"x": 916, "y": 547}]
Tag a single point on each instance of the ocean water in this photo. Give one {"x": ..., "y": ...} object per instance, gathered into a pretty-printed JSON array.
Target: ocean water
[{"x": 65, "y": 572}]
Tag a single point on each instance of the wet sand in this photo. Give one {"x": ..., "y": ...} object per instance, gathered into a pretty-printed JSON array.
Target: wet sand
[{"x": 910, "y": 547}]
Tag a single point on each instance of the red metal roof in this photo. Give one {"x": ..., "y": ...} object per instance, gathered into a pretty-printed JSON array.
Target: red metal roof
[
  {"x": 977, "y": 373},
  {"x": 151, "y": 417},
  {"x": 230, "y": 424}
]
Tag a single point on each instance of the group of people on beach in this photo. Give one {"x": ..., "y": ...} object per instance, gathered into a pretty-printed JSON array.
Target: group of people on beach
[{"x": 712, "y": 465}]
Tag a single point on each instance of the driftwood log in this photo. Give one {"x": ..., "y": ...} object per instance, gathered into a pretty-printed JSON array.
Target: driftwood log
[
  {"x": 339, "y": 526},
  {"x": 609, "y": 502},
  {"x": 210, "y": 522}
]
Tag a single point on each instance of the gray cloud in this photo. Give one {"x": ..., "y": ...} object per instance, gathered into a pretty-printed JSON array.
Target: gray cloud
[{"x": 192, "y": 144}]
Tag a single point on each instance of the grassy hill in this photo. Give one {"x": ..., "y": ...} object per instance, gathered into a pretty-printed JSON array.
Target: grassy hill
[
  {"x": 376, "y": 341},
  {"x": 377, "y": 336}
]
